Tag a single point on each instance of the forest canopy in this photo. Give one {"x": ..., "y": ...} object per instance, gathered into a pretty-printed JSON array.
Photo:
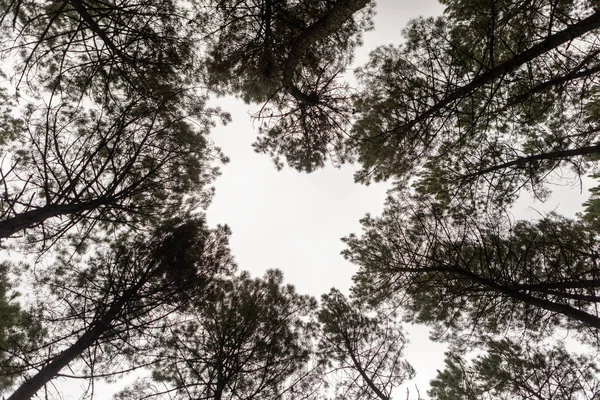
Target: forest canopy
[{"x": 113, "y": 273}]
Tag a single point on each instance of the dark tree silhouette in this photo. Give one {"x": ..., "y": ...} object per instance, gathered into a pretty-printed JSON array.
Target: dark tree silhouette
[
  {"x": 509, "y": 370},
  {"x": 252, "y": 341},
  {"x": 364, "y": 352},
  {"x": 480, "y": 277},
  {"x": 288, "y": 56},
  {"x": 106, "y": 307},
  {"x": 110, "y": 121}
]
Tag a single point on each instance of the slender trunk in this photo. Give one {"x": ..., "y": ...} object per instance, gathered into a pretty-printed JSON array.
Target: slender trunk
[
  {"x": 31, "y": 218},
  {"x": 31, "y": 386},
  {"x": 586, "y": 25},
  {"x": 220, "y": 386},
  {"x": 564, "y": 309},
  {"x": 93, "y": 25},
  {"x": 553, "y": 155},
  {"x": 341, "y": 11},
  {"x": 514, "y": 293},
  {"x": 362, "y": 372}
]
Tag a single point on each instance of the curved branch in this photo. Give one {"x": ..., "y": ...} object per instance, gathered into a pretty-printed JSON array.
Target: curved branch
[{"x": 328, "y": 24}]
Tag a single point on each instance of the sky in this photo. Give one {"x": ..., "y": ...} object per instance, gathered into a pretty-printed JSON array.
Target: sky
[
  {"x": 294, "y": 221},
  {"x": 291, "y": 220}
]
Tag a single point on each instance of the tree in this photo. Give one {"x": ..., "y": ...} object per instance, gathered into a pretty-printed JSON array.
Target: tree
[
  {"x": 288, "y": 56},
  {"x": 103, "y": 50},
  {"x": 120, "y": 133},
  {"x": 253, "y": 341},
  {"x": 480, "y": 277},
  {"x": 591, "y": 213},
  {"x": 118, "y": 164},
  {"x": 508, "y": 370},
  {"x": 20, "y": 331},
  {"x": 364, "y": 351},
  {"x": 484, "y": 101},
  {"x": 103, "y": 309}
]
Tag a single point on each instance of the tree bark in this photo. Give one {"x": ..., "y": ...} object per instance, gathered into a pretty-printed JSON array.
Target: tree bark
[{"x": 31, "y": 218}]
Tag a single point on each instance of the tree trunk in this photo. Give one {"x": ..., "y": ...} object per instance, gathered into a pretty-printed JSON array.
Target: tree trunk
[
  {"x": 94, "y": 27},
  {"x": 514, "y": 293},
  {"x": 31, "y": 218},
  {"x": 553, "y": 155},
  {"x": 32, "y": 385},
  {"x": 586, "y": 25},
  {"x": 341, "y": 11},
  {"x": 362, "y": 372}
]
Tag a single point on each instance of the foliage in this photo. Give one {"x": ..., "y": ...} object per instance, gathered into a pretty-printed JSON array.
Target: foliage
[
  {"x": 508, "y": 370},
  {"x": 105, "y": 138},
  {"x": 112, "y": 127},
  {"x": 105, "y": 50},
  {"x": 591, "y": 213},
  {"x": 479, "y": 277},
  {"x": 365, "y": 352},
  {"x": 252, "y": 341},
  {"x": 485, "y": 101},
  {"x": 289, "y": 55},
  {"x": 102, "y": 310},
  {"x": 20, "y": 330}
]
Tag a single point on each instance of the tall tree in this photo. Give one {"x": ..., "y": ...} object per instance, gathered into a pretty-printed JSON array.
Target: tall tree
[
  {"x": 288, "y": 55},
  {"x": 253, "y": 341},
  {"x": 508, "y": 370},
  {"x": 484, "y": 101},
  {"x": 103, "y": 309},
  {"x": 463, "y": 274},
  {"x": 365, "y": 352}
]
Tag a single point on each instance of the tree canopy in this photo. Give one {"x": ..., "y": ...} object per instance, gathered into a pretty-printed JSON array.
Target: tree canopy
[
  {"x": 102, "y": 310},
  {"x": 509, "y": 370},
  {"x": 111, "y": 124},
  {"x": 484, "y": 101},
  {"x": 251, "y": 341},
  {"x": 107, "y": 163}
]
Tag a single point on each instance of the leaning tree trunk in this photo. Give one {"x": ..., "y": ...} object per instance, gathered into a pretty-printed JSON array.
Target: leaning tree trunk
[
  {"x": 551, "y": 42},
  {"x": 32, "y": 218},
  {"x": 362, "y": 371},
  {"x": 328, "y": 24},
  {"x": 559, "y": 155},
  {"x": 32, "y": 385}
]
